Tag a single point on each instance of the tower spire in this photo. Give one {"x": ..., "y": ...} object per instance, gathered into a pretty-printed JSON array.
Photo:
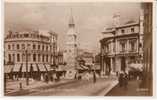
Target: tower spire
[{"x": 71, "y": 20}]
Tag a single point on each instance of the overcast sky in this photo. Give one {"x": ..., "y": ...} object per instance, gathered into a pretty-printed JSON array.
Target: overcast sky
[{"x": 90, "y": 19}]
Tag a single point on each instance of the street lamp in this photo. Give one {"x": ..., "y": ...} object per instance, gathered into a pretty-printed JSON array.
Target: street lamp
[
  {"x": 53, "y": 39},
  {"x": 27, "y": 76}
]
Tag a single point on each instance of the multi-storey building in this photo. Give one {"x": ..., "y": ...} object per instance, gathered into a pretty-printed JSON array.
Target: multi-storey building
[
  {"x": 31, "y": 50},
  {"x": 123, "y": 46}
]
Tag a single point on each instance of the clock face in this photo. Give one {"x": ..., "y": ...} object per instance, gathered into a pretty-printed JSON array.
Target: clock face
[{"x": 71, "y": 38}]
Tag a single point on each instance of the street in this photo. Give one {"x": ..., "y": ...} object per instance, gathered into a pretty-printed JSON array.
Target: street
[{"x": 70, "y": 88}]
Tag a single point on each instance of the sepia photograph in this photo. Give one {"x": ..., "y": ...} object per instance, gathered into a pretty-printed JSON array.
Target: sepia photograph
[{"x": 78, "y": 49}]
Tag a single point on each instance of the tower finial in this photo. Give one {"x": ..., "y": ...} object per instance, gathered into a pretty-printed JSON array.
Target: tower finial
[{"x": 71, "y": 20}]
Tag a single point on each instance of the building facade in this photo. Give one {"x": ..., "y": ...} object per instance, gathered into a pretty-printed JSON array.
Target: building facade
[
  {"x": 123, "y": 46},
  {"x": 31, "y": 50}
]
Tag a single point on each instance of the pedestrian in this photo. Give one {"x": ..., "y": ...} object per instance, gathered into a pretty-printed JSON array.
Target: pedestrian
[
  {"x": 46, "y": 78},
  {"x": 94, "y": 77},
  {"x": 125, "y": 78},
  {"x": 120, "y": 79}
]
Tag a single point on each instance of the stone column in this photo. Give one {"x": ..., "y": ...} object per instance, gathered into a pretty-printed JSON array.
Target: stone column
[
  {"x": 127, "y": 45},
  {"x": 111, "y": 65}
]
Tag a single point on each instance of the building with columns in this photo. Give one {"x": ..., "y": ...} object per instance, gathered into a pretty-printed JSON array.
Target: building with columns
[
  {"x": 33, "y": 50},
  {"x": 122, "y": 46}
]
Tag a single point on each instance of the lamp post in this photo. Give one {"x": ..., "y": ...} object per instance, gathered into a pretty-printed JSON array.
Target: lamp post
[
  {"x": 27, "y": 76},
  {"x": 53, "y": 39}
]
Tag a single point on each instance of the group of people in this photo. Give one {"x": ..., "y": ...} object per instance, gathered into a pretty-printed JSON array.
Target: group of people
[
  {"x": 55, "y": 77},
  {"x": 123, "y": 79},
  {"x": 87, "y": 76}
]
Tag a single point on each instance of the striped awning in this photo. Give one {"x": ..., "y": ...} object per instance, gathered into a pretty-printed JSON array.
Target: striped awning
[
  {"x": 41, "y": 67},
  {"x": 16, "y": 67},
  {"x": 35, "y": 67},
  {"x": 47, "y": 67},
  {"x": 24, "y": 67},
  {"x": 8, "y": 68}
]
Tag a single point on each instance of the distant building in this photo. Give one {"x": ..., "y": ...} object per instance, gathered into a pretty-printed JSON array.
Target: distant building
[
  {"x": 87, "y": 57},
  {"x": 32, "y": 49},
  {"x": 123, "y": 46}
]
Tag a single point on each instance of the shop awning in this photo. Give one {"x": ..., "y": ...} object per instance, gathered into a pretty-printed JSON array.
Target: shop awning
[
  {"x": 41, "y": 67},
  {"x": 34, "y": 67},
  {"x": 16, "y": 67},
  {"x": 138, "y": 67},
  {"x": 47, "y": 67},
  {"x": 24, "y": 67},
  {"x": 8, "y": 68}
]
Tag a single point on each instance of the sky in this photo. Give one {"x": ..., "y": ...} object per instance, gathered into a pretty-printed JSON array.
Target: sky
[{"x": 90, "y": 19}]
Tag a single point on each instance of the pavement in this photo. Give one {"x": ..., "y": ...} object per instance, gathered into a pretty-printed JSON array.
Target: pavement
[
  {"x": 132, "y": 90},
  {"x": 13, "y": 87},
  {"x": 67, "y": 88}
]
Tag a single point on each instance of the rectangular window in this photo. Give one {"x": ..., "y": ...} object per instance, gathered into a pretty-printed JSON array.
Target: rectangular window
[
  {"x": 9, "y": 47},
  {"x": 43, "y": 47},
  {"x": 132, "y": 44},
  {"x": 9, "y": 55},
  {"x": 23, "y": 46},
  {"x": 123, "y": 47},
  {"x": 47, "y": 48},
  {"x": 18, "y": 57},
  {"x": 38, "y": 47},
  {"x": 38, "y": 57},
  {"x": 18, "y": 46},
  {"x": 122, "y": 44},
  {"x": 122, "y": 31},
  {"x": 43, "y": 58},
  {"x": 34, "y": 57},
  {"x": 132, "y": 30},
  {"x": 46, "y": 58},
  {"x": 13, "y": 46},
  {"x": 34, "y": 46}
]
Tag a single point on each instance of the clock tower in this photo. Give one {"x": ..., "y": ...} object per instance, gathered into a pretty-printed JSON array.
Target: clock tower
[{"x": 71, "y": 45}]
